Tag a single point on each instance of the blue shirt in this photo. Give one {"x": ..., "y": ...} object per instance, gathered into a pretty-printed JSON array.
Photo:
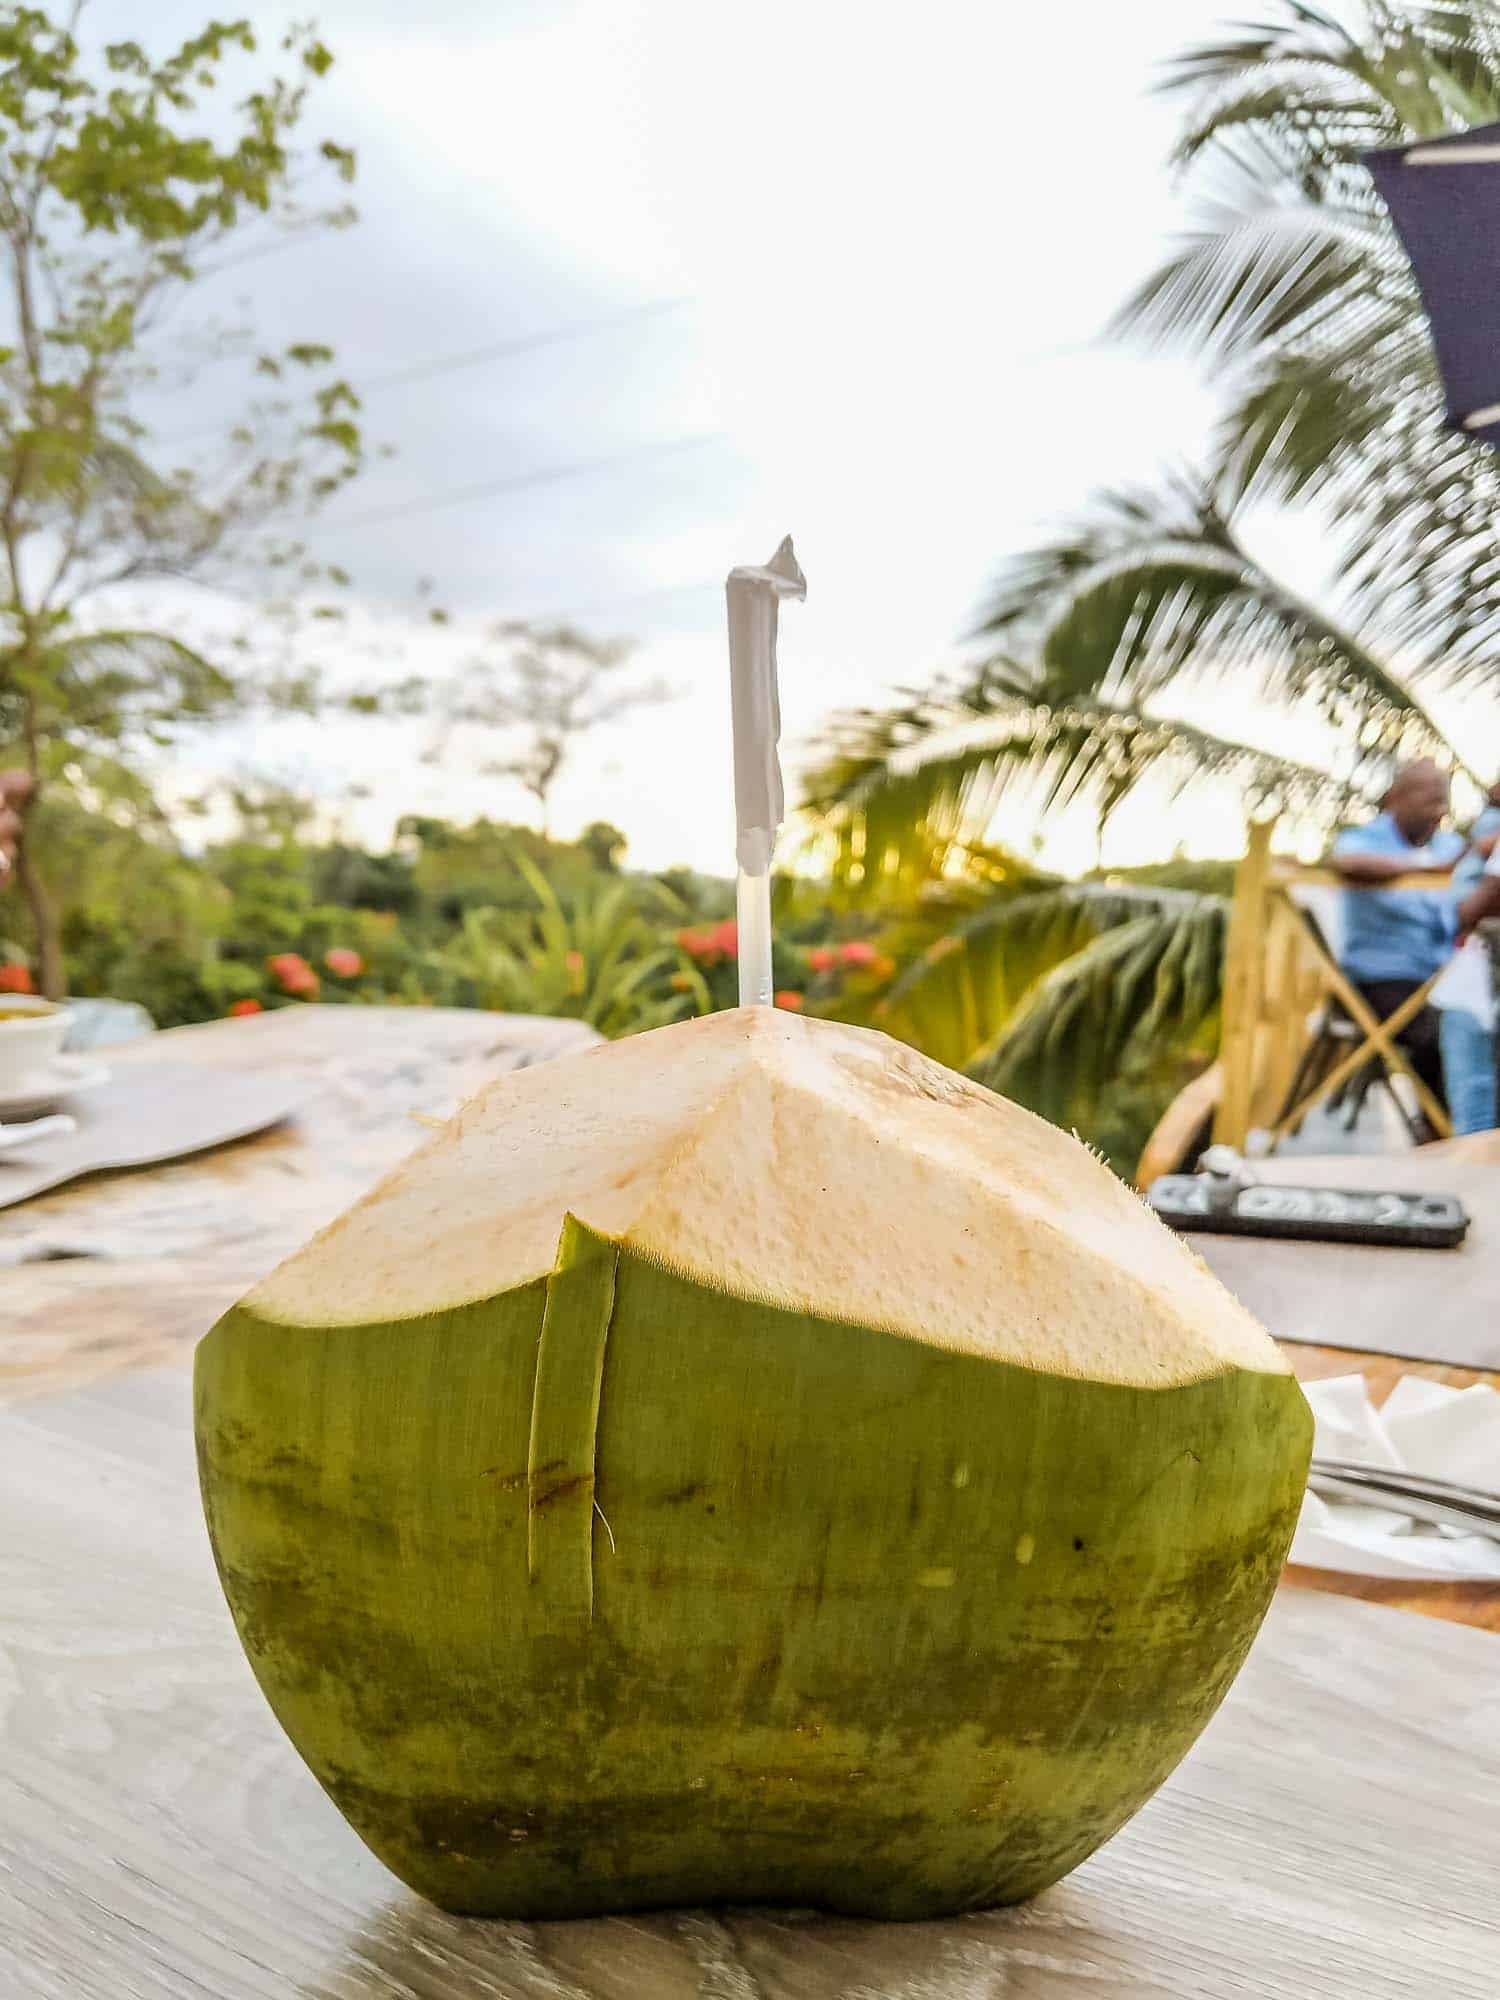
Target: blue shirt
[{"x": 1398, "y": 933}]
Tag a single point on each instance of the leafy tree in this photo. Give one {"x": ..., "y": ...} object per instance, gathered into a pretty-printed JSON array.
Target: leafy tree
[
  {"x": 551, "y": 684},
  {"x": 604, "y": 844},
  {"x": 123, "y": 180}
]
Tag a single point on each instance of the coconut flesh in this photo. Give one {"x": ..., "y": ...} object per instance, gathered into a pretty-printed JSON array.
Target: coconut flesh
[{"x": 747, "y": 1462}]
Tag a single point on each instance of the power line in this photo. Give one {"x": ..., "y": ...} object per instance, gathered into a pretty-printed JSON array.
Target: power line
[
  {"x": 478, "y": 357},
  {"x": 544, "y": 476},
  {"x": 502, "y": 350}
]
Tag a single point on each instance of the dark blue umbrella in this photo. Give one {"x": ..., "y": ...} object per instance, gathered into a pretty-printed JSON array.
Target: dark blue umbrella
[{"x": 1444, "y": 198}]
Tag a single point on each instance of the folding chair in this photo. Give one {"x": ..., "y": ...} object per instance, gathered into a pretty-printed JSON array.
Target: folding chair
[{"x": 1344, "y": 1028}]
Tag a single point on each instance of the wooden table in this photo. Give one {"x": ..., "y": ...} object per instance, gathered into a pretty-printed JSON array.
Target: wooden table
[
  {"x": 1334, "y": 1832},
  {"x": 159, "y": 1840},
  {"x": 185, "y": 1241}
]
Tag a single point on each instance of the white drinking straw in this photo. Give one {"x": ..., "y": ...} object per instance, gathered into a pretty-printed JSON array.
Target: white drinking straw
[{"x": 754, "y": 596}]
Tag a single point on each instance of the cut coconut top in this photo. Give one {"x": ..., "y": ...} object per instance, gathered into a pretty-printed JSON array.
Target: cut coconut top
[{"x": 817, "y": 1167}]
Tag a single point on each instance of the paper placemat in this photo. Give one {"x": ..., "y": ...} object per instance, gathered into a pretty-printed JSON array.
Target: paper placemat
[
  {"x": 1418, "y": 1305},
  {"x": 145, "y": 1114}
]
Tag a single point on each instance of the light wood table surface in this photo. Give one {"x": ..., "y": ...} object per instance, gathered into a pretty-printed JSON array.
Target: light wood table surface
[
  {"x": 177, "y": 1245},
  {"x": 1334, "y": 1833}
]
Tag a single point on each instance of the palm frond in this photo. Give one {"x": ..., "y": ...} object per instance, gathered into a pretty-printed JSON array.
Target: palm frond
[
  {"x": 1154, "y": 980},
  {"x": 1154, "y": 583},
  {"x": 1293, "y": 268},
  {"x": 1411, "y": 71},
  {"x": 1258, "y": 270},
  {"x": 905, "y": 789},
  {"x": 109, "y": 681},
  {"x": 954, "y": 996}
]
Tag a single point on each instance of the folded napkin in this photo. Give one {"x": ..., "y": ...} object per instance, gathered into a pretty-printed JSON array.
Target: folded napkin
[{"x": 1422, "y": 1427}]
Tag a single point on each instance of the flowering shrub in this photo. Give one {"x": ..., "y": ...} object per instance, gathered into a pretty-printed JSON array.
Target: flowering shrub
[
  {"x": 243, "y": 1007},
  {"x": 791, "y": 999},
  {"x": 342, "y": 962},
  {"x": 15, "y": 978}
]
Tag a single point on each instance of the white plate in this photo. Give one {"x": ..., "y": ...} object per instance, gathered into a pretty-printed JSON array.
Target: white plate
[{"x": 63, "y": 1078}]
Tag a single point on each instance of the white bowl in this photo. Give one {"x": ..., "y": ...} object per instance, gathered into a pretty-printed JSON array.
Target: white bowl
[{"x": 29, "y": 1045}]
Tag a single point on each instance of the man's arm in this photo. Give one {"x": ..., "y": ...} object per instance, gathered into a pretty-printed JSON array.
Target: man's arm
[
  {"x": 1360, "y": 864},
  {"x": 1357, "y": 867}
]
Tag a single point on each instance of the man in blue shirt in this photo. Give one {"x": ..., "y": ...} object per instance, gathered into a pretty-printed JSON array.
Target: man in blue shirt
[{"x": 1396, "y": 939}]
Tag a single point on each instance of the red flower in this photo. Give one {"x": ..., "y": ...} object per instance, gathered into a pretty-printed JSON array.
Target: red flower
[
  {"x": 824, "y": 959},
  {"x": 726, "y": 937},
  {"x": 343, "y": 963},
  {"x": 293, "y": 974},
  {"x": 789, "y": 998},
  {"x": 858, "y": 953},
  {"x": 15, "y": 979},
  {"x": 242, "y": 1007},
  {"x": 700, "y": 946}
]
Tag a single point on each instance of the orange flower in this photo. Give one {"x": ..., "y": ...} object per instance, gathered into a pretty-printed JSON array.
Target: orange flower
[
  {"x": 858, "y": 953},
  {"x": 789, "y": 998},
  {"x": 240, "y": 1008},
  {"x": 343, "y": 962},
  {"x": 726, "y": 937},
  {"x": 15, "y": 979},
  {"x": 574, "y": 961},
  {"x": 701, "y": 946},
  {"x": 681, "y": 983},
  {"x": 882, "y": 967},
  {"x": 824, "y": 959},
  {"x": 293, "y": 974}
]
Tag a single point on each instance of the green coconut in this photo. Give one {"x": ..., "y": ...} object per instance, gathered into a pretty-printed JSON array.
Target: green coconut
[{"x": 745, "y": 1463}]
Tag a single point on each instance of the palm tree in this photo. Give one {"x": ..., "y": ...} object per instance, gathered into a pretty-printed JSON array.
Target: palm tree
[
  {"x": 1053, "y": 991},
  {"x": 1292, "y": 277}
]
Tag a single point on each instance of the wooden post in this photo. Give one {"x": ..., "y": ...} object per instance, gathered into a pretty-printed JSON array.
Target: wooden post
[{"x": 1243, "y": 978}]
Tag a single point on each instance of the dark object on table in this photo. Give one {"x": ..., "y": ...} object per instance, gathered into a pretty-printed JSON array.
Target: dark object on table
[
  {"x": 1320, "y": 1215},
  {"x": 1444, "y": 198}
]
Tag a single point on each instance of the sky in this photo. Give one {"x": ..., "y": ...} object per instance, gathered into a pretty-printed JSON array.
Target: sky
[{"x": 834, "y": 271}]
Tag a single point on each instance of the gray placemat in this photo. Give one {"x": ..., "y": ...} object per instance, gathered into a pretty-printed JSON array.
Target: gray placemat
[
  {"x": 1417, "y": 1305},
  {"x": 147, "y": 1113}
]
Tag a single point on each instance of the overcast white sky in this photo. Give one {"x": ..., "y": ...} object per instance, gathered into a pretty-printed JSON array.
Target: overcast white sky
[{"x": 896, "y": 234}]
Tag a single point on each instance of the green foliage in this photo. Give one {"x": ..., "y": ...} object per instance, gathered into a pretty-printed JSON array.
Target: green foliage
[
  {"x": 1129, "y": 1008},
  {"x": 603, "y": 956},
  {"x": 115, "y": 190}
]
